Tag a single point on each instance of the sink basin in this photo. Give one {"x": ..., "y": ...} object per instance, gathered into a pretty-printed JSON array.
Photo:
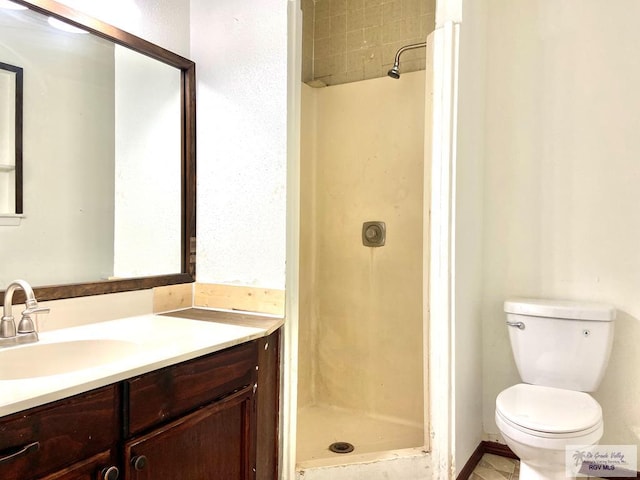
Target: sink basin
[{"x": 44, "y": 359}]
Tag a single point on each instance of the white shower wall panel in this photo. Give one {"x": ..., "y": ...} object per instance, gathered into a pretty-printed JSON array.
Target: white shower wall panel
[{"x": 361, "y": 325}]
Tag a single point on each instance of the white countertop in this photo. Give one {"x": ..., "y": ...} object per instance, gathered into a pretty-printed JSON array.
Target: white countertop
[{"x": 159, "y": 341}]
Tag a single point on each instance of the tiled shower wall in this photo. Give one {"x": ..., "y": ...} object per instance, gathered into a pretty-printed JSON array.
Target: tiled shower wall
[{"x": 351, "y": 40}]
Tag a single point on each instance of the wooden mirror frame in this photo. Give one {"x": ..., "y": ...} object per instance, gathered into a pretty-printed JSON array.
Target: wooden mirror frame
[
  {"x": 188, "y": 160},
  {"x": 17, "y": 157}
]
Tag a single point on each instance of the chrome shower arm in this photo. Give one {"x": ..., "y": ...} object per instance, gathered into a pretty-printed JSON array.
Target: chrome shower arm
[
  {"x": 405, "y": 48},
  {"x": 395, "y": 70}
]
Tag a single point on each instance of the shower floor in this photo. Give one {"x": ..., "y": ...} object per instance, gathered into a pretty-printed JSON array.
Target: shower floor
[{"x": 320, "y": 426}]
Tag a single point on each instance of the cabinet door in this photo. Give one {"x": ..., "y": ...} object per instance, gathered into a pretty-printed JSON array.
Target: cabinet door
[
  {"x": 98, "y": 467},
  {"x": 215, "y": 442}
]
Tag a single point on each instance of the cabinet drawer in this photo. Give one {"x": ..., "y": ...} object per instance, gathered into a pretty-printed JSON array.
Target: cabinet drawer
[
  {"x": 165, "y": 394},
  {"x": 89, "y": 469},
  {"x": 59, "y": 434}
]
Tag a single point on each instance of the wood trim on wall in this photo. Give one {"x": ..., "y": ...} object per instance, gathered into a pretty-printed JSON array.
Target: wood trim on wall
[
  {"x": 235, "y": 297},
  {"x": 172, "y": 297}
]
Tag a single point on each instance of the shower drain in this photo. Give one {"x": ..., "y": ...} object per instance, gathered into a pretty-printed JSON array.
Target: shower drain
[{"x": 341, "y": 447}]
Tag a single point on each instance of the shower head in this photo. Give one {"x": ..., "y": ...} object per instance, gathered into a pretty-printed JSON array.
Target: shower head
[{"x": 395, "y": 70}]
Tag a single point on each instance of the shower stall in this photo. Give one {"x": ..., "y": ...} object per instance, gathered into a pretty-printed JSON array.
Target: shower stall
[{"x": 361, "y": 322}]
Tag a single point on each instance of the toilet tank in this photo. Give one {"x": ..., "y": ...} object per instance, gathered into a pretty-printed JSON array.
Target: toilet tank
[{"x": 559, "y": 343}]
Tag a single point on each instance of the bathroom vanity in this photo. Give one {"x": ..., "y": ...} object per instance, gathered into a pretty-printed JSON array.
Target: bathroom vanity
[{"x": 212, "y": 416}]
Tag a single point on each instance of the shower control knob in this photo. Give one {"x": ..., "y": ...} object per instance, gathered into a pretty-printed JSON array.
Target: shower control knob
[{"x": 373, "y": 234}]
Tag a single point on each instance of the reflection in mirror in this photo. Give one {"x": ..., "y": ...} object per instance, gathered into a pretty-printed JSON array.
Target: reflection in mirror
[
  {"x": 108, "y": 167},
  {"x": 10, "y": 144}
]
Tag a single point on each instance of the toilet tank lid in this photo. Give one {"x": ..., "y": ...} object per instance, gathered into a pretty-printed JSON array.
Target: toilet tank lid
[{"x": 561, "y": 309}]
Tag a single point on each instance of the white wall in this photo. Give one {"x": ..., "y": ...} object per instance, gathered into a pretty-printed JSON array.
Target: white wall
[
  {"x": 561, "y": 180},
  {"x": 240, "y": 48},
  {"x": 468, "y": 218},
  {"x": 163, "y": 22}
]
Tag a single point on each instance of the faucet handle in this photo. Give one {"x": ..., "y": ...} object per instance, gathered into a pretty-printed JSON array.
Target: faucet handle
[
  {"x": 35, "y": 309},
  {"x": 26, "y": 324}
]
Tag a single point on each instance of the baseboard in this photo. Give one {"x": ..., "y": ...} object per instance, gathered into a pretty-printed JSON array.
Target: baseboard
[
  {"x": 467, "y": 470},
  {"x": 485, "y": 447},
  {"x": 499, "y": 449},
  {"x": 502, "y": 450}
]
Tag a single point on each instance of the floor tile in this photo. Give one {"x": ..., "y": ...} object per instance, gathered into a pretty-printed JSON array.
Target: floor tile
[
  {"x": 495, "y": 467},
  {"x": 484, "y": 473},
  {"x": 497, "y": 462}
]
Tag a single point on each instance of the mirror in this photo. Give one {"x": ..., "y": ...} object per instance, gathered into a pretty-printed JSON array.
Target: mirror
[{"x": 108, "y": 158}]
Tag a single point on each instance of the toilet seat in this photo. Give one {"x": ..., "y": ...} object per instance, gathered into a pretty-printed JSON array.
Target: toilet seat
[
  {"x": 548, "y": 412},
  {"x": 507, "y": 426}
]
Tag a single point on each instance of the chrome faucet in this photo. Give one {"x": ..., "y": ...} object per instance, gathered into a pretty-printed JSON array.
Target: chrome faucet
[{"x": 26, "y": 331}]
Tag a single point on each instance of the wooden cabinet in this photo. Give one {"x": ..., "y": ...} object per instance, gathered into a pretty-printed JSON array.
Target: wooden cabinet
[
  {"x": 267, "y": 405},
  {"x": 99, "y": 467},
  {"x": 214, "y": 442},
  {"x": 168, "y": 393},
  {"x": 49, "y": 438},
  {"x": 214, "y": 417}
]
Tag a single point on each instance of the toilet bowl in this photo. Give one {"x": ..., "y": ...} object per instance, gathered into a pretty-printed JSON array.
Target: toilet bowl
[
  {"x": 561, "y": 350},
  {"x": 539, "y": 422}
]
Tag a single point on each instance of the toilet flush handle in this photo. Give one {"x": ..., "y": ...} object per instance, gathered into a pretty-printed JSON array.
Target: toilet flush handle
[{"x": 519, "y": 325}]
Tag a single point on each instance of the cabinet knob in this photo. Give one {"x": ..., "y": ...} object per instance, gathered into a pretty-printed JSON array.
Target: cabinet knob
[
  {"x": 110, "y": 473},
  {"x": 139, "y": 462}
]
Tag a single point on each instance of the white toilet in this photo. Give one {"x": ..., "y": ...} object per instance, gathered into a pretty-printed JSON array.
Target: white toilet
[{"x": 561, "y": 350}]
